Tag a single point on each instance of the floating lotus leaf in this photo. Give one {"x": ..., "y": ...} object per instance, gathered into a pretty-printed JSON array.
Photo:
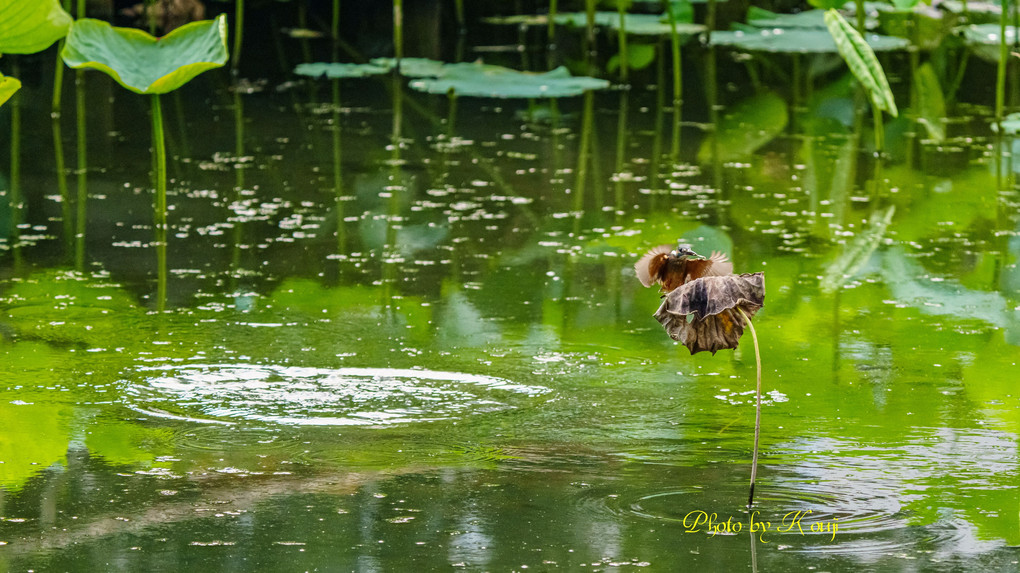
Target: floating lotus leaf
[
  {"x": 412, "y": 67},
  {"x": 7, "y": 87},
  {"x": 798, "y": 41},
  {"x": 637, "y": 24},
  {"x": 702, "y": 314},
  {"x": 30, "y": 26},
  {"x": 761, "y": 18},
  {"x": 984, "y": 40},
  {"x": 142, "y": 63},
  {"x": 481, "y": 80},
  {"x": 334, "y": 70},
  {"x": 1010, "y": 123}
]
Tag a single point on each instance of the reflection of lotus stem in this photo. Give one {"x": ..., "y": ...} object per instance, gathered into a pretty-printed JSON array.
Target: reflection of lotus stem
[
  {"x": 1000, "y": 75},
  {"x": 15, "y": 183},
  {"x": 159, "y": 150},
  {"x": 757, "y": 411},
  {"x": 582, "y": 157},
  {"x": 674, "y": 39},
  {"x": 338, "y": 182}
]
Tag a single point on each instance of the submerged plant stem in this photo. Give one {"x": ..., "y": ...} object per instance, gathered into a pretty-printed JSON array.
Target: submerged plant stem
[
  {"x": 159, "y": 151},
  {"x": 757, "y": 410}
]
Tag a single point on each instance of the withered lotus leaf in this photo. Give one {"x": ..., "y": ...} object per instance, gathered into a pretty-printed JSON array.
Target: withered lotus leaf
[{"x": 702, "y": 313}]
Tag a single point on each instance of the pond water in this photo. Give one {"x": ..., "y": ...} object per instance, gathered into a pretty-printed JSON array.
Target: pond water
[{"x": 438, "y": 356}]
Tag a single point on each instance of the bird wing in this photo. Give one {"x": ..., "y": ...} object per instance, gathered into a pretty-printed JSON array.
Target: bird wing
[
  {"x": 648, "y": 266},
  {"x": 720, "y": 265}
]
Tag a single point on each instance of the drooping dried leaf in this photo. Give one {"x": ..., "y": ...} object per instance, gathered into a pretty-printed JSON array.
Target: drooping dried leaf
[{"x": 702, "y": 314}]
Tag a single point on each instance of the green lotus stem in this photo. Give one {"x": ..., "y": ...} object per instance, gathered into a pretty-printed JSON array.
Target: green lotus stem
[
  {"x": 459, "y": 8},
  {"x": 621, "y": 36},
  {"x": 159, "y": 151},
  {"x": 589, "y": 48},
  {"x": 81, "y": 193},
  {"x": 674, "y": 42},
  {"x": 1000, "y": 75},
  {"x": 757, "y": 411},
  {"x": 551, "y": 24},
  {"x": 334, "y": 29},
  {"x": 862, "y": 20},
  {"x": 398, "y": 29},
  {"x": 235, "y": 57}
]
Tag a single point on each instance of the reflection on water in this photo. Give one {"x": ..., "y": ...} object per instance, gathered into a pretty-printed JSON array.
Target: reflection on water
[{"x": 477, "y": 275}]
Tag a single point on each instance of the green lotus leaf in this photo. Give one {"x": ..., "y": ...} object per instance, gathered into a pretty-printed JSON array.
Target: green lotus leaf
[
  {"x": 636, "y": 24},
  {"x": 762, "y": 18},
  {"x": 142, "y": 63},
  {"x": 984, "y": 40},
  {"x": 412, "y": 67},
  {"x": 335, "y": 70},
  {"x": 7, "y": 87},
  {"x": 29, "y": 26},
  {"x": 481, "y": 80},
  {"x": 798, "y": 41},
  {"x": 860, "y": 58}
]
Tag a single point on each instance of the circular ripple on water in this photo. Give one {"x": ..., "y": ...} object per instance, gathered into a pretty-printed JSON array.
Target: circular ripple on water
[
  {"x": 292, "y": 395},
  {"x": 871, "y": 521}
]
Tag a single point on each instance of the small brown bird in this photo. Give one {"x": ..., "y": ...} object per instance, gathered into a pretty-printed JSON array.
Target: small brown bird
[{"x": 672, "y": 268}]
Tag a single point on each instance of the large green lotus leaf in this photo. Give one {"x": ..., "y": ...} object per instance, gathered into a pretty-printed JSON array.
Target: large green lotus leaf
[
  {"x": 481, "y": 80},
  {"x": 334, "y": 70},
  {"x": 142, "y": 63},
  {"x": 30, "y": 26},
  {"x": 7, "y": 87},
  {"x": 637, "y": 24},
  {"x": 798, "y": 41},
  {"x": 984, "y": 40}
]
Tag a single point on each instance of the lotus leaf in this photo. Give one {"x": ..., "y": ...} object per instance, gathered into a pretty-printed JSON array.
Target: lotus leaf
[
  {"x": 1010, "y": 123},
  {"x": 984, "y": 40},
  {"x": 412, "y": 67},
  {"x": 27, "y": 27},
  {"x": 861, "y": 59},
  {"x": 7, "y": 87},
  {"x": 142, "y": 63},
  {"x": 761, "y": 18},
  {"x": 798, "y": 41},
  {"x": 637, "y": 24},
  {"x": 481, "y": 80},
  {"x": 334, "y": 70}
]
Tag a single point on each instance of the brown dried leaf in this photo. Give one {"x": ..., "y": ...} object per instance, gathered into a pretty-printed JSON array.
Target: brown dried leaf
[{"x": 702, "y": 314}]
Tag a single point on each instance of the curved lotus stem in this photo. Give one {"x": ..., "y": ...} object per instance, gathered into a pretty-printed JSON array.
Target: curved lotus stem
[{"x": 757, "y": 410}]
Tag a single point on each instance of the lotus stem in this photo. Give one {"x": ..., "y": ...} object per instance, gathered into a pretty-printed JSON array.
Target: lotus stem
[
  {"x": 551, "y": 24},
  {"x": 56, "y": 111},
  {"x": 398, "y": 29},
  {"x": 757, "y": 410},
  {"x": 622, "y": 41},
  {"x": 235, "y": 58},
  {"x": 159, "y": 151}
]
